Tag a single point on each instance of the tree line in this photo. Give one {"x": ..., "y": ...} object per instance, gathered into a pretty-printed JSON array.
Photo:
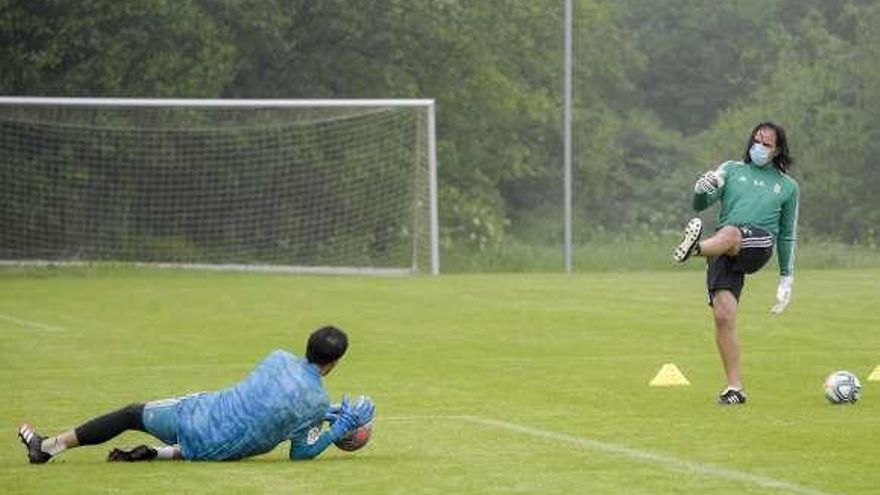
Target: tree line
[{"x": 663, "y": 91}]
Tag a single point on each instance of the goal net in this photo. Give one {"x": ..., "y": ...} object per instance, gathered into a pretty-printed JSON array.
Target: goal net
[{"x": 323, "y": 186}]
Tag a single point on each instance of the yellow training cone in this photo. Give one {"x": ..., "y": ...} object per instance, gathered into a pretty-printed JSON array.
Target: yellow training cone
[
  {"x": 669, "y": 375},
  {"x": 875, "y": 375}
]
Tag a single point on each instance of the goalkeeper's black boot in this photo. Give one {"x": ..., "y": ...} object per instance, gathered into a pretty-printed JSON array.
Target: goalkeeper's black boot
[
  {"x": 690, "y": 240},
  {"x": 139, "y": 453},
  {"x": 34, "y": 444},
  {"x": 731, "y": 397}
]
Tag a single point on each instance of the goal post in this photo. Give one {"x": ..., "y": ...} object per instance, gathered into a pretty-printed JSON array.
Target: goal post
[{"x": 306, "y": 186}]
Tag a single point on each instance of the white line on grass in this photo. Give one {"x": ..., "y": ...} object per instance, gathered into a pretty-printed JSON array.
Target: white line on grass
[
  {"x": 32, "y": 325},
  {"x": 645, "y": 456}
]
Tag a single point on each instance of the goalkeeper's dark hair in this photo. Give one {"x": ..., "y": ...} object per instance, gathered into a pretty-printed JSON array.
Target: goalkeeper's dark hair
[
  {"x": 326, "y": 344},
  {"x": 783, "y": 160}
]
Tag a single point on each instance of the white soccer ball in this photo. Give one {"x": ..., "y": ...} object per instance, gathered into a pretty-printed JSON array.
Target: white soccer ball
[{"x": 842, "y": 387}]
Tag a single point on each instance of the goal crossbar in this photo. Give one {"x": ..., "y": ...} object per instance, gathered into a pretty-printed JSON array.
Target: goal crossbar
[{"x": 212, "y": 102}]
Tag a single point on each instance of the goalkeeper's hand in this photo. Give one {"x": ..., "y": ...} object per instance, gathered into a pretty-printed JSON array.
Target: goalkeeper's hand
[
  {"x": 783, "y": 294},
  {"x": 709, "y": 182},
  {"x": 345, "y": 421},
  {"x": 364, "y": 410}
]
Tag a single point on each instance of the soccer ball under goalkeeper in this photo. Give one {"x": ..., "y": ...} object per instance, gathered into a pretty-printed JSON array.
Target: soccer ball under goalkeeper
[
  {"x": 356, "y": 438},
  {"x": 842, "y": 387}
]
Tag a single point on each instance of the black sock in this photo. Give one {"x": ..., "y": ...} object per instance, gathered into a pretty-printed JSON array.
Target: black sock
[{"x": 103, "y": 428}]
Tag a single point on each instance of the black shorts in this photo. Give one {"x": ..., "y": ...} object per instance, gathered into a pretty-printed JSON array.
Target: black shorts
[{"x": 728, "y": 272}]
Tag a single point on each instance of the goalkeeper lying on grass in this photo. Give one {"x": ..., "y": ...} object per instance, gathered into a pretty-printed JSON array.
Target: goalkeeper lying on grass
[{"x": 282, "y": 399}]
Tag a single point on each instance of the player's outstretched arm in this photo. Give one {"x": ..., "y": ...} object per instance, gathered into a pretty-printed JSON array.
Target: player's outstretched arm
[
  {"x": 342, "y": 418},
  {"x": 314, "y": 442},
  {"x": 707, "y": 190},
  {"x": 302, "y": 450}
]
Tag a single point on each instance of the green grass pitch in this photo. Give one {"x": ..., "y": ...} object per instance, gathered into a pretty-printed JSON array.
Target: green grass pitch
[{"x": 526, "y": 383}]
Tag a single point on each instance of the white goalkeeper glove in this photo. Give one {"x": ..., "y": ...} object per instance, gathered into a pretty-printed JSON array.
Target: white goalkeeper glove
[
  {"x": 709, "y": 182},
  {"x": 783, "y": 294}
]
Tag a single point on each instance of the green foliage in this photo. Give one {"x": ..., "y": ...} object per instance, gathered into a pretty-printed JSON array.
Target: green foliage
[
  {"x": 474, "y": 221},
  {"x": 641, "y": 188},
  {"x": 819, "y": 92},
  {"x": 703, "y": 56},
  {"x": 663, "y": 90},
  {"x": 108, "y": 48},
  {"x": 638, "y": 249}
]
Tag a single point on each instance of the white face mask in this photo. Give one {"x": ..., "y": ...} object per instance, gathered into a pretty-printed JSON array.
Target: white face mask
[{"x": 759, "y": 154}]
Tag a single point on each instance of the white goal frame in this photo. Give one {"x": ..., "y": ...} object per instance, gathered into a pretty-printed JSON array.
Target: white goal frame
[{"x": 431, "y": 150}]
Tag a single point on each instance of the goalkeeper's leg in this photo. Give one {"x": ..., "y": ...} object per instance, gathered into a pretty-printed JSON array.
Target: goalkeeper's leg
[
  {"x": 92, "y": 432},
  {"x": 103, "y": 428},
  {"x": 727, "y": 240}
]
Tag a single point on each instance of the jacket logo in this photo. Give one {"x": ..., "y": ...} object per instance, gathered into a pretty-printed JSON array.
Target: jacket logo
[{"x": 313, "y": 435}]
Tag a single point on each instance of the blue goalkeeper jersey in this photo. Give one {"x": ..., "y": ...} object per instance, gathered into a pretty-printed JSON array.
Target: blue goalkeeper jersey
[{"x": 281, "y": 399}]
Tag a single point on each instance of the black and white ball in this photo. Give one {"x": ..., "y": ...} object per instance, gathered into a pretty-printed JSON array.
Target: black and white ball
[{"x": 842, "y": 387}]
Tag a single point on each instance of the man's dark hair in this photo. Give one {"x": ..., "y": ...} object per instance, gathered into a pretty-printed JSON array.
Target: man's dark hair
[
  {"x": 326, "y": 344},
  {"x": 783, "y": 160}
]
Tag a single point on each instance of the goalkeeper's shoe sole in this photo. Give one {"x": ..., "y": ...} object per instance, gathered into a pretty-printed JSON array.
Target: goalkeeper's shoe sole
[
  {"x": 689, "y": 240},
  {"x": 731, "y": 397},
  {"x": 34, "y": 443}
]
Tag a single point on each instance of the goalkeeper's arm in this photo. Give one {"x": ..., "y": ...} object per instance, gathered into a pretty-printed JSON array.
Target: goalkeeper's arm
[
  {"x": 708, "y": 187},
  {"x": 343, "y": 419},
  {"x": 301, "y": 449}
]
